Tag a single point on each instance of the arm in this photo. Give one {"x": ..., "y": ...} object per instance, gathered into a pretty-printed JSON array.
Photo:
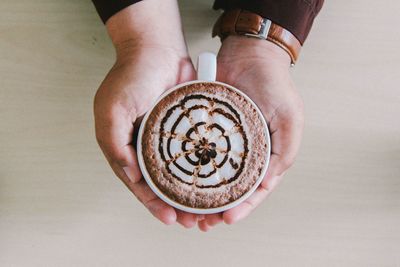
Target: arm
[
  {"x": 261, "y": 69},
  {"x": 146, "y": 65}
]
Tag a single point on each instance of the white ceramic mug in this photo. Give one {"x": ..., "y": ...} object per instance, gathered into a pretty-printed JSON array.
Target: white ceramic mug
[{"x": 206, "y": 72}]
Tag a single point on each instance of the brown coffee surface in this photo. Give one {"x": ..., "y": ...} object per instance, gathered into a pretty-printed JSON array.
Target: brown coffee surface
[{"x": 204, "y": 145}]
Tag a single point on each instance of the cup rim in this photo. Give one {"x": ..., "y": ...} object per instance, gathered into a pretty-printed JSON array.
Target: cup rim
[{"x": 175, "y": 204}]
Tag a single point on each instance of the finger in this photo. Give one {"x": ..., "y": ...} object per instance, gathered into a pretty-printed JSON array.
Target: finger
[
  {"x": 161, "y": 210},
  {"x": 158, "y": 208},
  {"x": 246, "y": 207},
  {"x": 188, "y": 220},
  {"x": 214, "y": 219},
  {"x": 203, "y": 226},
  {"x": 114, "y": 133},
  {"x": 144, "y": 194},
  {"x": 271, "y": 179},
  {"x": 286, "y": 130}
]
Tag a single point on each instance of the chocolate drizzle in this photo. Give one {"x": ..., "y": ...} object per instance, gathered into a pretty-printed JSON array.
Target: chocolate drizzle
[{"x": 198, "y": 150}]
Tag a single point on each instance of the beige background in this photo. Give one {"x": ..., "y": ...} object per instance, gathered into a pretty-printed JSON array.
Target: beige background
[{"x": 60, "y": 204}]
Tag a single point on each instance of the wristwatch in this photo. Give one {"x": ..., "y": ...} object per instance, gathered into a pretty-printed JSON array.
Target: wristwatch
[{"x": 243, "y": 22}]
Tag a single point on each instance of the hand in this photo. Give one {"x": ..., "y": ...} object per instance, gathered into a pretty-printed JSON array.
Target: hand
[
  {"x": 261, "y": 70},
  {"x": 146, "y": 65}
]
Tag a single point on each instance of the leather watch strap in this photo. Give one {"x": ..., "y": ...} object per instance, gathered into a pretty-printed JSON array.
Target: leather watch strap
[{"x": 243, "y": 22}]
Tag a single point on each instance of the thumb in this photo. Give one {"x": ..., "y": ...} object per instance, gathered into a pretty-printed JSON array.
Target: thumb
[
  {"x": 114, "y": 133},
  {"x": 286, "y": 134}
]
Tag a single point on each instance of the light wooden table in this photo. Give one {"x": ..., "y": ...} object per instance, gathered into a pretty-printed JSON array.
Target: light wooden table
[{"x": 60, "y": 204}]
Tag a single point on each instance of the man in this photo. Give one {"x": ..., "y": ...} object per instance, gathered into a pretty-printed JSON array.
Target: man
[{"x": 152, "y": 56}]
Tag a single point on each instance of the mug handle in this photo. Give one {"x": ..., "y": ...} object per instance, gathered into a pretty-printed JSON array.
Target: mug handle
[{"x": 207, "y": 67}]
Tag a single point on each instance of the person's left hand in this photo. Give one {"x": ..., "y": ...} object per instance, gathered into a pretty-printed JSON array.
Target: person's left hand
[{"x": 261, "y": 70}]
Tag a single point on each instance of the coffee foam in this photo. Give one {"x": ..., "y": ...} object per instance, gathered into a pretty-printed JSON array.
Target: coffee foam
[{"x": 203, "y": 142}]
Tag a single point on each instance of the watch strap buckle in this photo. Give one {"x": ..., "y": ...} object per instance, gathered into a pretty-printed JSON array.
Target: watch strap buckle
[{"x": 264, "y": 30}]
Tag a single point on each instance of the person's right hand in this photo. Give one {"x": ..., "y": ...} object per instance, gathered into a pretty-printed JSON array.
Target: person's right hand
[{"x": 146, "y": 65}]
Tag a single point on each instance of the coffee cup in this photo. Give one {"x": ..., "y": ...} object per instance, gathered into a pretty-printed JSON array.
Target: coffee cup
[{"x": 204, "y": 146}]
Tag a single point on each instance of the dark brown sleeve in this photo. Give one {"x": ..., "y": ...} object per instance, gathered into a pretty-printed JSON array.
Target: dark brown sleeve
[
  {"x": 107, "y": 8},
  {"x": 296, "y": 16}
]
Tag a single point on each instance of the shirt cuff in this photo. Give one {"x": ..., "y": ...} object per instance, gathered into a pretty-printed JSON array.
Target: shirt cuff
[
  {"x": 107, "y": 8},
  {"x": 296, "y": 16}
]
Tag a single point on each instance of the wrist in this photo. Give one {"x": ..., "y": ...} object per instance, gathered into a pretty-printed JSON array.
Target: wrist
[
  {"x": 131, "y": 50},
  {"x": 150, "y": 24},
  {"x": 247, "y": 48}
]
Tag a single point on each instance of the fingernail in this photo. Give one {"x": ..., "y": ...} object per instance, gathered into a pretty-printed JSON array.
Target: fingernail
[{"x": 129, "y": 172}]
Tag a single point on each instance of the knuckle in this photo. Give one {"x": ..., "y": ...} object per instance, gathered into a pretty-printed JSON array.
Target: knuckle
[
  {"x": 294, "y": 119},
  {"x": 117, "y": 157},
  {"x": 287, "y": 162},
  {"x": 112, "y": 152}
]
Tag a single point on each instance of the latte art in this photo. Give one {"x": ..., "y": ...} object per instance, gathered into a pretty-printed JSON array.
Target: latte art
[
  {"x": 202, "y": 142},
  {"x": 203, "y": 146}
]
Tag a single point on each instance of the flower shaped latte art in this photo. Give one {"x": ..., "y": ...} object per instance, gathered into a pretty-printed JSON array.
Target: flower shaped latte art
[{"x": 202, "y": 142}]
